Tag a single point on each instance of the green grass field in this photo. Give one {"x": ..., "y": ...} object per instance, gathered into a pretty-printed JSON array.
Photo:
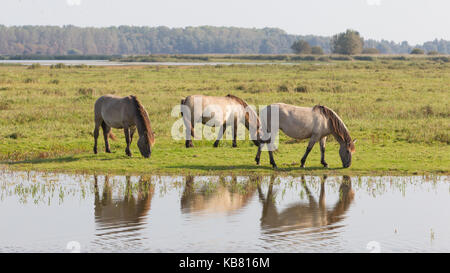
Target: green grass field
[{"x": 398, "y": 110}]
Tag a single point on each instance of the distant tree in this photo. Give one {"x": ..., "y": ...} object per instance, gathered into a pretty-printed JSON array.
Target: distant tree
[
  {"x": 301, "y": 47},
  {"x": 316, "y": 50},
  {"x": 267, "y": 47},
  {"x": 370, "y": 50},
  {"x": 417, "y": 51},
  {"x": 433, "y": 52},
  {"x": 349, "y": 43},
  {"x": 134, "y": 40}
]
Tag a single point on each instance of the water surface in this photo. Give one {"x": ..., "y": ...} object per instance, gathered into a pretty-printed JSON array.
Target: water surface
[
  {"x": 115, "y": 63},
  {"x": 42, "y": 212}
]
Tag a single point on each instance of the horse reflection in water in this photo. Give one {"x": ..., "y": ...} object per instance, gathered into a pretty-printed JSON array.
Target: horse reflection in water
[
  {"x": 311, "y": 217},
  {"x": 221, "y": 197},
  {"x": 121, "y": 217}
]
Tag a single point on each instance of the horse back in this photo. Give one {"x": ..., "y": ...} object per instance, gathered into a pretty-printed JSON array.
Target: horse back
[
  {"x": 210, "y": 102},
  {"x": 295, "y": 121},
  {"x": 114, "y": 110}
]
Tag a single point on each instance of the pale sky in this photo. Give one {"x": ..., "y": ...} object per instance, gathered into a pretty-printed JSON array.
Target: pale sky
[{"x": 415, "y": 21}]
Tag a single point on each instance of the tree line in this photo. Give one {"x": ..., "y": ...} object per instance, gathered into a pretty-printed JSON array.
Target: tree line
[{"x": 131, "y": 40}]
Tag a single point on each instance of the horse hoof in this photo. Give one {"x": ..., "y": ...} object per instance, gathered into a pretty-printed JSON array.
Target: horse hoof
[
  {"x": 302, "y": 166},
  {"x": 216, "y": 145},
  {"x": 274, "y": 166},
  {"x": 325, "y": 166},
  {"x": 108, "y": 151},
  {"x": 95, "y": 151},
  {"x": 234, "y": 145}
]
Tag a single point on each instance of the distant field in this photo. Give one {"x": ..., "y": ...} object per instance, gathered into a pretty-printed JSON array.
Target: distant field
[{"x": 397, "y": 109}]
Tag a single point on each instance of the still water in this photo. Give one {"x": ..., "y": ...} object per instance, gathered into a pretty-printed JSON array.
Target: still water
[
  {"x": 41, "y": 212},
  {"x": 114, "y": 63}
]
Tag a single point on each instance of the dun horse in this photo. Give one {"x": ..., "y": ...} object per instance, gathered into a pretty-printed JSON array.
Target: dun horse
[
  {"x": 127, "y": 113},
  {"x": 240, "y": 113},
  {"x": 315, "y": 123}
]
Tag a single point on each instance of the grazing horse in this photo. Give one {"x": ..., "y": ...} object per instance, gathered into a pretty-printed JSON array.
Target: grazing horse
[
  {"x": 233, "y": 109},
  {"x": 127, "y": 113},
  {"x": 315, "y": 123}
]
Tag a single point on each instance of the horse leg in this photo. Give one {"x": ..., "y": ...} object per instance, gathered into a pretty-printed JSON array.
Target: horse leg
[
  {"x": 311, "y": 143},
  {"x": 106, "y": 130},
  {"x": 258, "y": 153},
  {"x": 189, "y": 143},
  {"x": 189, "y": 127},
  {"x": 221, "y": 132},
  {"x": 96, "y": 133},
  {"x": 322, "y": 151},
  {"x": 132, "y": 131},
  {"x": 272, "y": 161},
  {"x": 235, "y": 125},
  {"x": 126, "y": 131}
]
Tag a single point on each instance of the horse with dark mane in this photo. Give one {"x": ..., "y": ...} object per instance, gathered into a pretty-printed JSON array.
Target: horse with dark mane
[
  {"x": 127, "y": 113},
  {"x": 219, "y": 111},
  {"x": 315, "y": 123}
]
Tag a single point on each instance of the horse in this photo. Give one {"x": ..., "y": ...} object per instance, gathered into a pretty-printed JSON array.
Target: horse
[
  {"x": 122, "y": 212},
  {"x": 220, "y": 197},
  {"x": 312, "y": 216},
  {"x": 194, "y": 112},
  {"x": 315, "y": 123},
  {"x": 127, "y": 113}
]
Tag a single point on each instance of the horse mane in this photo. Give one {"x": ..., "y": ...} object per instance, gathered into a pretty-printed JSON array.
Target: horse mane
[
  {"x": 245, "y": 105},
  {"x": 336, "y": 122},
  {"x": 142, "y": 117},
  {"x": 239, "y": 100}
]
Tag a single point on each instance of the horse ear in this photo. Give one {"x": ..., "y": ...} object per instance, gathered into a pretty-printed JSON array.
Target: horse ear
[{"x": 354, "y": 141}]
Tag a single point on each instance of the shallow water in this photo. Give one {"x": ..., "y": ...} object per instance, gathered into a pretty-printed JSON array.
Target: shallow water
[
  {"x": 59, "y": 212},
  {"x": 114, "y": 63}
]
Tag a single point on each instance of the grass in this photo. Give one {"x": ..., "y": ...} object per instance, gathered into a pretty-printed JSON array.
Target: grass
[{"x": 397, "y": 109}]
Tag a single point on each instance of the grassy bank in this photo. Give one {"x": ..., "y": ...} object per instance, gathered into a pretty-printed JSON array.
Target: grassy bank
[{"x": 397, "y": 109}]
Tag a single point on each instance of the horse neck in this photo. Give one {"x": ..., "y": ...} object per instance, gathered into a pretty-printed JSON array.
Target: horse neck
[
  {"x": 249, "y": 118},
  {"x": 340, "y": 139},
  {"x": 142, "y": 130}
]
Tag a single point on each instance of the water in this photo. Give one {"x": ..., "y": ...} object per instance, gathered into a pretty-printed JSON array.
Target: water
[
  {"x": 113, "y": 63},
  {"x": 59, "y": 212}
]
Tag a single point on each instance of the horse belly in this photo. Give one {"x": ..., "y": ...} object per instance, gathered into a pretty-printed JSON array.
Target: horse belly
[
  {"x": 113, "y": 118},
  {"x": 296, "y": 127},
  {"x": 295, "y": 132}
]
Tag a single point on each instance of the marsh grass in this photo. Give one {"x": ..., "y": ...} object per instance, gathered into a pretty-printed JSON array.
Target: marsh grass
[{"x": 397, "y": 109}]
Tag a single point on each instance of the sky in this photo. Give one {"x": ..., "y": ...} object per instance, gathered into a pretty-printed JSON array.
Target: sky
[{"x": 415, "y": 21}]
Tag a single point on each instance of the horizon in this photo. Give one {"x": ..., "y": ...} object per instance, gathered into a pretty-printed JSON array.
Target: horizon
[{"x": 402, "y": 20}]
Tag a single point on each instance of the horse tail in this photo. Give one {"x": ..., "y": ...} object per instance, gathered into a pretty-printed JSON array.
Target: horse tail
[
  {"x": 182, "y": 103},
  {"x": 187, "y": 122},
  {"x": 112, "y": 136}
]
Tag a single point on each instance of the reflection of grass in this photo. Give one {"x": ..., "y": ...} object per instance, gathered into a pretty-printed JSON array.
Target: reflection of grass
[{"x": 398, "y": 111}]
